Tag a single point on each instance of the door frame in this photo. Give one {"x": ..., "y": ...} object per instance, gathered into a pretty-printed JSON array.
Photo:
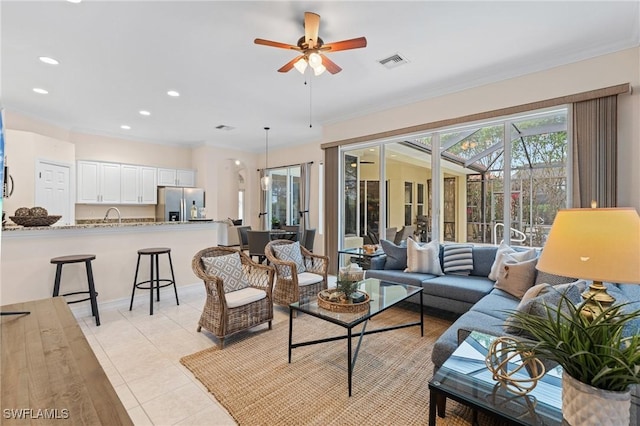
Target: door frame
[{"x": 72, "y": 183}]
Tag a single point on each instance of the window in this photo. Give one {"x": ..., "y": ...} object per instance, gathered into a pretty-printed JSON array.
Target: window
[
  {"x": 408, "y": 202},
  {"x": 284, "y": 196}
]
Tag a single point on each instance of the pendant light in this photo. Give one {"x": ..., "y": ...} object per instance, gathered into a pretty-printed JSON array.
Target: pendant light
[{"x": 265, "y": 181}]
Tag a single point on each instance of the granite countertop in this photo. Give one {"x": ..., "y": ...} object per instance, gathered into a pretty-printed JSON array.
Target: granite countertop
[{"x": 99, "y": 223}]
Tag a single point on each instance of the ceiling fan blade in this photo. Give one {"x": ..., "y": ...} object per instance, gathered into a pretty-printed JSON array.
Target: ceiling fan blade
[
  {"x": 354, "y": 43},
  {"x": 331, "y": 66},
  {"x": 275, "y": 44},
  {"x": 287, "y": 67},
  {"x": 311, "y": 28}
]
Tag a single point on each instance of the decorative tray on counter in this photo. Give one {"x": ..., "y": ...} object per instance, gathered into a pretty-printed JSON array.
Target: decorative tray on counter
[{"x": 35, "y": 220}]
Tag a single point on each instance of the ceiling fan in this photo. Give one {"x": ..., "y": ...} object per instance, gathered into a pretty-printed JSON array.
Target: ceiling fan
[{"x": 312, "y": 48}]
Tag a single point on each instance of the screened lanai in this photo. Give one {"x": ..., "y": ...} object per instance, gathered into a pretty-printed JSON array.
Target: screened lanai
[{"x": 389, "y": 186}]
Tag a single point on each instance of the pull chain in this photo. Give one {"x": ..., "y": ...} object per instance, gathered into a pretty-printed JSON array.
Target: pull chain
[{"x": 310, "y": 103}]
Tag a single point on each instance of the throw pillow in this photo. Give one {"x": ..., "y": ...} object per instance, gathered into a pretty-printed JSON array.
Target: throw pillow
[
  {"x": 396, "y": 255},
  {"x": 229, "y": 269},
  {"x": 546, "y": 277},
  {"x": 458, "y": 259},
  {"x": 516, "y": 277},
  {"x": 291, "y": 253},
  {"x": 545, "y": 294},
  {"x": 503, "y": 250},
  {"x": 423, "y": 258}
]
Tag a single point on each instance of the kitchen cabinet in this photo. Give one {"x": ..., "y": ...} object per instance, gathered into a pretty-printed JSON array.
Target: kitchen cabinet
[
  {"x": 176, "y": 177},
  {"x": 138, "y": 185},
  {"x": 98, "y": 183}
]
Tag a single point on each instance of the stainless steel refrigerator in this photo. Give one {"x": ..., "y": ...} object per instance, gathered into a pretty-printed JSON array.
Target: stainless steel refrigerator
[{"x": 174, "y": 203}]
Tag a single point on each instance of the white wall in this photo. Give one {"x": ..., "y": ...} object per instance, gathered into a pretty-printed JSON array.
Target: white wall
[{"x": 603, "y": 71}]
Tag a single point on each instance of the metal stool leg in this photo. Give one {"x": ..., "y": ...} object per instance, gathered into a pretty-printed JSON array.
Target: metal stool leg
[
  {"x": 151, "y": 285},
  {"x": 135, "y": 281},
  {"x": 92, "y": 292},
  {"x": 56, "y": 283},
  {"x": 157, "y": 258},
  {"x": 175, "y": 288}
]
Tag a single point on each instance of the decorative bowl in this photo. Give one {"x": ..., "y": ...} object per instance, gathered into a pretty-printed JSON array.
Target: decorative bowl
[
  {"x": 342, "y": 307},
  {"x": 35, "y": 220}
]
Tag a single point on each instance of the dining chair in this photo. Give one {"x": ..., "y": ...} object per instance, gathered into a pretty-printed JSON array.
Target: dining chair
[
  {"x": 293, "y": 228},
  {"x": 239, "y": 291},
  {"x": 390, "y": 233},
  {"x": 242, "y": 237},
  {"x": 257, "y": 241},
  {"x": 308, "y": 237},
  {"x": 299, "y": 273},
  {"x": 402, "y": 235}
]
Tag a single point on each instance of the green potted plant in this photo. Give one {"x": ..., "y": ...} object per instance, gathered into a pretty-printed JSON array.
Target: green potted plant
[{"x": 600, "y": 362}]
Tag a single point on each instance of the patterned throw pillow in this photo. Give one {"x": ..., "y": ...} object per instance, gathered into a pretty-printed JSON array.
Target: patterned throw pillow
[
  {"x": 291, "y": 253},
  {"x": 229, "y": 268},
  {"x": 457, "y": 258}
]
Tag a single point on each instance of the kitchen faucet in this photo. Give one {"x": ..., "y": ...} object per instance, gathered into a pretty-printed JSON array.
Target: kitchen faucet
[{"x": 107, "y": 214}]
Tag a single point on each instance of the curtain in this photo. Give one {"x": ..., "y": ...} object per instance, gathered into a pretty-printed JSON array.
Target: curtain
[
  {"x": 594, "y": 152},
  {"x": 263, "y": 216},
  {"x": 305, "y": 189}
]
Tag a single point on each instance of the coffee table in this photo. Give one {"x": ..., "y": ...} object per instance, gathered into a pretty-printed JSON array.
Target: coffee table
[
  {"x": 383, "y": 295},
  {"x": 465, "y": 378}
]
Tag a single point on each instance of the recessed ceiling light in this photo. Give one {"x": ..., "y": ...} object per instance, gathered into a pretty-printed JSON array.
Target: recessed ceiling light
[
  {"x": 74, "y": 1},
  {"x": 48, "y": 60},
  {"x": 40, "y": 91},
  {"x": 125, "y": 127},
  {"x": 237, "y": 162},
  {"x": 143, "y": 112},
  {"x": 173, "y": 93},
  {"x": 372, "y": 149}
]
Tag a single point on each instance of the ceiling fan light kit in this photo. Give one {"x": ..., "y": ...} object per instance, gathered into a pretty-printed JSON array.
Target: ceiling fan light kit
[{"x": 312, "y": 48}]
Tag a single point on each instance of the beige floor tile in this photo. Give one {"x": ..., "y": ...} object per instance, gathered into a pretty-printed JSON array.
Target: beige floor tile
[
  {"x": 162, "y": 381},
  {"x": 211, "y": 416},
  {"x": 126, "y": 397},
  {"x": 139, "y": 417},
  {"x": 177, "y": 405}
]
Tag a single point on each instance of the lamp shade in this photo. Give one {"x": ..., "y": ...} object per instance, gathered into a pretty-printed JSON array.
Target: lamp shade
[{"x": 595, "y": 244}]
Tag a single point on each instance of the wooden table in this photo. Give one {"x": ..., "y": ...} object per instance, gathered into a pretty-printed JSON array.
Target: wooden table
[{"x": 49, "y": 372}]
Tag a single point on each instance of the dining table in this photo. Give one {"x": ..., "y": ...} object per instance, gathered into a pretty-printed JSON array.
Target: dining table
[{"x": 281, "y": 234}]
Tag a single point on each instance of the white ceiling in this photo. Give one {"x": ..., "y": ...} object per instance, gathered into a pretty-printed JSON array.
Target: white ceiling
[{"x": 119, "y": 57}]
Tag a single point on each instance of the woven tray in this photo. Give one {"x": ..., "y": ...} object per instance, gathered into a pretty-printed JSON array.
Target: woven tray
[
  {"x": 344, "y": 307},
  {"x": 35, "y": 220}
]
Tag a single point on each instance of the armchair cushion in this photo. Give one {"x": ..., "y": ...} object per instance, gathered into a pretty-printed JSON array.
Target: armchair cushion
[
  {"x": 244, "y": 297},
  {"x": 229, "y": 269},
  {"x": 291, "y": 253},
  {"x": 308, "y": 278}
]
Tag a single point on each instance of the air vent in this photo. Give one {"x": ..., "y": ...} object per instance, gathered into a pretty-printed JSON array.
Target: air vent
[
  {"x": 393, "y": 61},
  {"x": 224, "y": 127}
]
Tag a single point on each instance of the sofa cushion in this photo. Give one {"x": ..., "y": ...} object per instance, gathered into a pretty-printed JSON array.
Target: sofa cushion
[
  {"x": 411, "y": 278},
  {"x": 423, "y": 258},
  {"x": 517, "y": 256},
  {"x": 229, "y": 269},
  {"x": 496, "y": 304},
  {"x": 467, "y": 289},
  {"x": 516, "y": 277},
  {"x": 396, "y": 255},
  {"x": 457, "y": 259}
]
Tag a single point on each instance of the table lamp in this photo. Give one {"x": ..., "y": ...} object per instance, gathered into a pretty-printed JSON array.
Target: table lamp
[{"x": 599, "y": 244}]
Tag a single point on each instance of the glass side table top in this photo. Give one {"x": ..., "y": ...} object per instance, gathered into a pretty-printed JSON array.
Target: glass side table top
[
  {"x": 359, "y": 251},
  {"x": 465, "y": 375},
  {"x": 382, "y": 294}
]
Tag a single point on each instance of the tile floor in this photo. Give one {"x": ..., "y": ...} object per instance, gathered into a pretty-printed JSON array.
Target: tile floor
[{"x": 141, "y": 356}]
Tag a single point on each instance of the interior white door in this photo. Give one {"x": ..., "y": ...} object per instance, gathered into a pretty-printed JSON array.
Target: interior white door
[{"x": 53, "y": 190}]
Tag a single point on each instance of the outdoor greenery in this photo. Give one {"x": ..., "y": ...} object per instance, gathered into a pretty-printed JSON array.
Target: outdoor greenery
[{"x": 593, "y": 351}]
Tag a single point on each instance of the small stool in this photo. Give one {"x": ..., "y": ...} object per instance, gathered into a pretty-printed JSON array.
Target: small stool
[
  {"x": 154, "y": 276},
  {"x": 93, "y": 294}
]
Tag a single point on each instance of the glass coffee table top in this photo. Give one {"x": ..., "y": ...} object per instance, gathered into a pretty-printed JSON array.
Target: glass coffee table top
[{"x": 382, "y": 295}]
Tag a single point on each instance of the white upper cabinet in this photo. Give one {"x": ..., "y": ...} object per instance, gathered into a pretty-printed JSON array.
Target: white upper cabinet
[
  {"x": 176, "y": 177},
  {"x": 98, "y": 183},
  {"x": 138, "y": 185}
]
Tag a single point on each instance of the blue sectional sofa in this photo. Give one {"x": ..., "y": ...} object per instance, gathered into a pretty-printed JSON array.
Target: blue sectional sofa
[{"x": 480, "y": 305}]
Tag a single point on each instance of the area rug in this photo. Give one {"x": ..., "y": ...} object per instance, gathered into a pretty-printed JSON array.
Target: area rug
[{"x": 252, "y": 379}]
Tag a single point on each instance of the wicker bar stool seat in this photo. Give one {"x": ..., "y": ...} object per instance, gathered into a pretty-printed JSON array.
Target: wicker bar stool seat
[{"x": 93, "y": 294}]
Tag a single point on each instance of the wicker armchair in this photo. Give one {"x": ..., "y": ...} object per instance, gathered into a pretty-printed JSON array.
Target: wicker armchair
[
  {"x": 292, "y": 286},
  {"x": 217, "y": 316}
]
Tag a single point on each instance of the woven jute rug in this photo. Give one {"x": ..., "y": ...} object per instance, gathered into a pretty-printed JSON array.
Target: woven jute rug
[{"x": 252, "y": 379}]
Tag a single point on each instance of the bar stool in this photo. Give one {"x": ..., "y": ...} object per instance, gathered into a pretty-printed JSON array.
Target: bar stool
[
  {"x": 154, "y": 275},
  {"x": 93, "y": 294}
]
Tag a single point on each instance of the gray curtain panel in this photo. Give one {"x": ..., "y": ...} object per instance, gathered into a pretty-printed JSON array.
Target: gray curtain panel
[
  {"x": 305, "y": 190},
  {"x": 595, "y": 142}
]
